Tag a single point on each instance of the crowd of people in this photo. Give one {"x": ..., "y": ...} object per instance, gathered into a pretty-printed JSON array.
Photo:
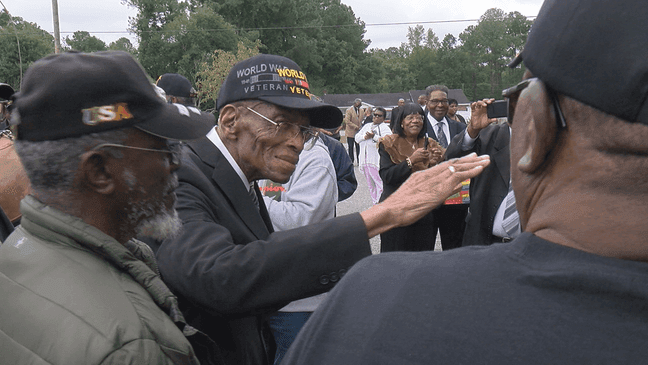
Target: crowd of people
[{"x": 154, "y": 234}]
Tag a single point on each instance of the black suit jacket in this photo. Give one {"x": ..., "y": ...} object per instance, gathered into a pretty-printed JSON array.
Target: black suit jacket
[
  {"x": 489, "y": 188},
  {"x": 454, "y": 126},
  {"x": 227, "y": 267}
]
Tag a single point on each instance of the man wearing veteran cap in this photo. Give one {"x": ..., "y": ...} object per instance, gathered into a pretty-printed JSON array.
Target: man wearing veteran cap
[
  {"x": 76, "y": 287},
  {"x": 228, "y": 267},
  {"x": 573, "y": 287}
]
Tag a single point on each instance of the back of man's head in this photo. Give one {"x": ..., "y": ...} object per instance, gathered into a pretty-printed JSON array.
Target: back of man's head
[
  {"x": 580, "y": 129},
  {"x": 603, "y": 64},
  {"x": 177, "y": 88}
]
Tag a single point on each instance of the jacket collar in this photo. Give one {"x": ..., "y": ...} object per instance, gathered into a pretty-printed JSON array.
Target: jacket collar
[{"x": 134, "y": 257}]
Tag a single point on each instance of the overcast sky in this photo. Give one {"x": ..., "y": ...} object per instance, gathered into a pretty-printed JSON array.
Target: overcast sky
[{"x": 108, "y": 19}]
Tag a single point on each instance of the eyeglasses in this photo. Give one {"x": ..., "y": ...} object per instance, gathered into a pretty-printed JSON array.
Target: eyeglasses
[
  {"x": 174, "y": 151},
  {"x": 438, "y": 101},
  {"x": 417, "y": 116},
  {"x": 378, "y": 115},
  {"x": 512, "y": 95},
  {"x": 308, "y": 135}
]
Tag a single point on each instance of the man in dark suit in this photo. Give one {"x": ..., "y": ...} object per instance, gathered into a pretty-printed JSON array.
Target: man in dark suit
[
  {"x": 488, "y": 192},
  {"x": 228, "y": 268},
  {"x": 448, "y": 219}
]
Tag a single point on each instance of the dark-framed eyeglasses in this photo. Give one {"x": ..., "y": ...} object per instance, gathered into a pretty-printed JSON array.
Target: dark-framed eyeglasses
[
  {"x": 512, "y": 96},
  {"x": 174, "y": 150},
  {"x": 379, "y": 115},
  {"x": 308, "y": 135},
  {"x": 438, "y": 101}
]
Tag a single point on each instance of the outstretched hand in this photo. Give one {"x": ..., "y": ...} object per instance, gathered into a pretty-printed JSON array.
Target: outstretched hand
[{"x": 422, "y": 192}]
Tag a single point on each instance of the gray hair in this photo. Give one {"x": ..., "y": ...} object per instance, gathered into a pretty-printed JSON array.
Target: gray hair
[
  {"x": 430, "y": 89},
  {"x": 52, "y": 165},
  {"x": 357, "y": 100}
]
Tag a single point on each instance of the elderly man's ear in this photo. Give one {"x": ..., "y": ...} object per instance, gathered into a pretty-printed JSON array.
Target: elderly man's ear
[
  {"x": 534, "y": 128},
  {"x": 228, "y": 121},
  {"x": 98, "y": 171}
]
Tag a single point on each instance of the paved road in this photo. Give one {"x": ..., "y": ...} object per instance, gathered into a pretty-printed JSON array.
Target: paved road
[{"x": 360, "y": 201}]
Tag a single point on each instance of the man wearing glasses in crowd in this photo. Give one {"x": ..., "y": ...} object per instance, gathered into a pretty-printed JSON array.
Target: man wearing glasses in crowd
[
  {"x": 449, "y": 220},
  {"x": 227, "y": 266},
  {"x": 572, "y": 288}
]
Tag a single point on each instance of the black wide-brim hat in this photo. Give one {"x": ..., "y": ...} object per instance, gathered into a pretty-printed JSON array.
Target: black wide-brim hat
[
  {"x": 279, "y": 81},
  {"x": 72, "y": 94}
]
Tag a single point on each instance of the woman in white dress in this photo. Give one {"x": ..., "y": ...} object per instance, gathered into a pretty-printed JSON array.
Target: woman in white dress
[{"x": 369, "y": 161}]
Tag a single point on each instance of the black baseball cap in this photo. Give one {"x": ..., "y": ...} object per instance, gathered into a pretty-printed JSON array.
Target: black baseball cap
[
  {"x": 176, "y": 85},
  {"x": 594, "y": 51},
  {"x": 6, "y": 91},
  {"x": 72, "y": 94},
  {"x": 279, "y": 81}
]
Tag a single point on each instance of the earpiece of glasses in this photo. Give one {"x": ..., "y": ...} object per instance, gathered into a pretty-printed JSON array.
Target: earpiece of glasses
[{"x": 309, "y": 135}]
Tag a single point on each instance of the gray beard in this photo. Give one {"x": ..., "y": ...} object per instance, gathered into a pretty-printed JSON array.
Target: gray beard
[
  {"x": 161, "y": 226},
  {"x": 158, "y": 222}
]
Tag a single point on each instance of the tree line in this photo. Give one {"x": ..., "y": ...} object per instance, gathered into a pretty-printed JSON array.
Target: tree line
[{"x": 201, "y": 39}]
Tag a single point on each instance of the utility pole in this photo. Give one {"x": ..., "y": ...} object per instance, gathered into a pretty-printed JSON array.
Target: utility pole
[{"x": 57, "y": 32}]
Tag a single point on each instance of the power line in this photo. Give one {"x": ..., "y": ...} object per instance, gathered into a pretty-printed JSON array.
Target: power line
[{"x": 289, "y": 28}]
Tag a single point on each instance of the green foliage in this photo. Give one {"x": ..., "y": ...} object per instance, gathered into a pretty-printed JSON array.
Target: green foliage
[
  {"x": 491, "y": 45},
  {"x": 35, "y": 43},
  {"x": 123, "y": 44},
  {"x": 84, "y": 42},
  {"x": 193, "y": 38},
  {"x": 178, "y": 36},
  {"x": 212, "y": 73}
]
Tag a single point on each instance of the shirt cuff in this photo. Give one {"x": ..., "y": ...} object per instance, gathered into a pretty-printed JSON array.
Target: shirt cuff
[{"x": 468, "y": 142}]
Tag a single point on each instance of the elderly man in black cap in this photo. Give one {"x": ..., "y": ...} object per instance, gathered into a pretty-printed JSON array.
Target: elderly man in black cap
[
  {"x": 571, "y": 289},
  {"x": 76, "y": 287},
  {"x": 228, "y": 266}
]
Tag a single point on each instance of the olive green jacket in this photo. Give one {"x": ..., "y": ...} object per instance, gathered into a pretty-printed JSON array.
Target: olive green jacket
[{"x": 70, "y": 294}]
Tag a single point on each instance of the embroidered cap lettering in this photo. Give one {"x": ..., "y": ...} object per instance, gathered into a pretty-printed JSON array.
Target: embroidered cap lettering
[{"x": 106, "y": 113}]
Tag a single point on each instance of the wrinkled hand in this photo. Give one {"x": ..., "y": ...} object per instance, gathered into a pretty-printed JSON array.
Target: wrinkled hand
[
  {"x": 479, "y": 119},
  {"x": 420, "y": 155},
  {"x": 422, "y": 192},
  {"x": 369, "y": 135}
]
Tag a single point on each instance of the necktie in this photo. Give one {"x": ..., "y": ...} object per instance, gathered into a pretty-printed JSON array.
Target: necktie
[
  {"x": 511, "y": 221},
  {"x": 253, "y": 195},
  {"x": 443, "y": 141}
]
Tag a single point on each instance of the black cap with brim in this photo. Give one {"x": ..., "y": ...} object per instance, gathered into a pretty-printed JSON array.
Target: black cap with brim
[
  {"x": 593, "y": 51},
  {"x": 72, "y": 94},
  {"x": 279, "y": 81}
]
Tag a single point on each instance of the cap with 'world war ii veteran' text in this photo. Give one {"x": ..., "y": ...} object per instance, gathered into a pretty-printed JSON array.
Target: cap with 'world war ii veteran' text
[
  {"x": 279, "y": 81},
  {"x": 72, "y": 94},
  {"x": 594, "y": 51}
]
